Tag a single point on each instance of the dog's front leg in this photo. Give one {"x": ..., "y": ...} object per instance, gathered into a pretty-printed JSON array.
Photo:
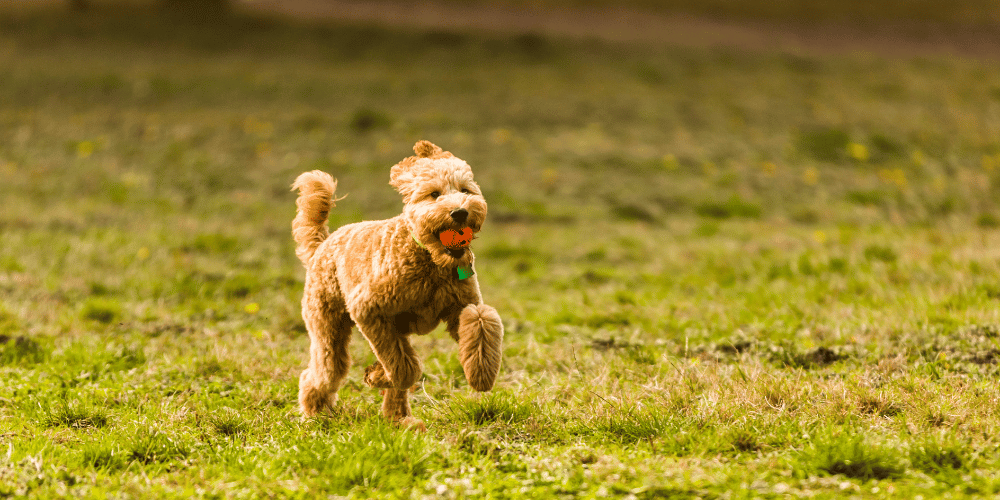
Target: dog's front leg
[
  {"x": 399, "y": 370},
  {"x": 479, "y": 332}
]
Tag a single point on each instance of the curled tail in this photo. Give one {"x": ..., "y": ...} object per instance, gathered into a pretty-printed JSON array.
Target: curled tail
[{"x": 309, "y": 228}]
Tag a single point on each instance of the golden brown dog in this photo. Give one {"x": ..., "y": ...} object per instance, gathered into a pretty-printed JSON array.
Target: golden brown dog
[{"x": 393, "y": 278}]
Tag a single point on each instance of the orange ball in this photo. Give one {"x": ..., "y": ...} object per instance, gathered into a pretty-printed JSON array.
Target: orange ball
[{"x": 455, "y": 239}]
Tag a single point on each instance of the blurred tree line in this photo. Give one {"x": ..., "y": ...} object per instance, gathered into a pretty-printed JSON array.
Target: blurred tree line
[
  {"x": 865, "y": 13},
  {"x": 205, "y": 6}
]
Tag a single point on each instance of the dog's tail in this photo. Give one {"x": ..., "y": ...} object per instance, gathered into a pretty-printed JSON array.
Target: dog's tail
[{"x": 309, "y": 228}]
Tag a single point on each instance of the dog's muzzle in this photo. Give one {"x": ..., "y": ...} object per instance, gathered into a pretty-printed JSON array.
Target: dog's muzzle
[{"x": 460, "y": 215}]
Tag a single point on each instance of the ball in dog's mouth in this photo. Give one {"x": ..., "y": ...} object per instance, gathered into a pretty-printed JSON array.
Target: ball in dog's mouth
[{"x": 456, "y": 240}]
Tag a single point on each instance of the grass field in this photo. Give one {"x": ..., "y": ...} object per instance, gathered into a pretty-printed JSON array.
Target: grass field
[{"x": 722, "y": 274}]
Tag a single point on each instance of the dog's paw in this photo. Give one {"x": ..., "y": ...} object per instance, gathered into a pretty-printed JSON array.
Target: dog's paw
[
  {"x": 412, "y": 424},
  {"x": 480, "y": 339},
  {"x": 375, "y": 377},
  {"x": 313, "y": 402}
]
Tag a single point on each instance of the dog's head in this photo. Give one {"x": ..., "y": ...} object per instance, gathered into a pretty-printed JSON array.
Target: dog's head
[{"x": 439, "y": 194}]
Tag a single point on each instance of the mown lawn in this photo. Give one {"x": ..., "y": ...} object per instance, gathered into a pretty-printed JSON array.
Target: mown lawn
[{"x": 722, "y": 274}]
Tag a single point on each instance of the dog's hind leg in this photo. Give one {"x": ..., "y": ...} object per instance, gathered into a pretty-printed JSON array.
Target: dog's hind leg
[
  {"x": 330, "y": 335},
  {"x": 396, "y": 407}
]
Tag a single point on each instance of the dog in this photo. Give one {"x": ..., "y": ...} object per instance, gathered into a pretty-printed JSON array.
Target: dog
[{"x": 394, "y": 278}]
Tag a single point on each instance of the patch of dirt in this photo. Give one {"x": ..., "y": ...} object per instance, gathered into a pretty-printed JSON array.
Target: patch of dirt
[
  {"x": 626, "y": 24},
  {"x": 609, "y": 343},
  {"x": 823, "y": 356},
  {"x": 989, "y": 357}
]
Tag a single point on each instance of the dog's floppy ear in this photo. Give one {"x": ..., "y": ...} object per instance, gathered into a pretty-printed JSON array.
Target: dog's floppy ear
[
  {"x": 401, "y": 178},
  {"x": 426, "y": 149},
  {"x": 401, "y": 175}
]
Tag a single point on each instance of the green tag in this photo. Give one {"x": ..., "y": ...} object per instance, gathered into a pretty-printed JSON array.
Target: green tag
[{"x": 464, "y": 272}]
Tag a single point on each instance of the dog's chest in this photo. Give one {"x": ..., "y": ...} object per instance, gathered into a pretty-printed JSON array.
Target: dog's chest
[
  {"x": 424, "y": 316},
  {"x": 438, "y": 294}
]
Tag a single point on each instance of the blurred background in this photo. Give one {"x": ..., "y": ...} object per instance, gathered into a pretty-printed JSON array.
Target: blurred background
[{"x": 706, "y": 149}]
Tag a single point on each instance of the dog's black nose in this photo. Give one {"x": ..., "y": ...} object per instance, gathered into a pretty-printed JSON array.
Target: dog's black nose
[{"x": 460, "y": 214}]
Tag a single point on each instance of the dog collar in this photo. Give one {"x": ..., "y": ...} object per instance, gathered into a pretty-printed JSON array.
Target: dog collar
[{"x": 463, "y": 271}]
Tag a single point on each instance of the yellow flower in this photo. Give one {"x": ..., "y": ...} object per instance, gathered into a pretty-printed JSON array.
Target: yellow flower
[
  {"x": 670, "y": 162},
  {"x": 252, "y": 308},
  {"x": 990, "y": 162},
  {"x": 142, "y": 254},
  {"x": 84, "y": 149},
  {"x": 811, "y": 176},
  {"x": 893, "y": 176},
  {"x": 858, "y": 151},
  {"x": 769, "y": 168},
  {"x": 819, "y": 236}
]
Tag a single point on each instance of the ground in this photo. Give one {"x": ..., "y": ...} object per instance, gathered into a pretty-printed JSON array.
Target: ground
[{"x": 723, "y": 274}]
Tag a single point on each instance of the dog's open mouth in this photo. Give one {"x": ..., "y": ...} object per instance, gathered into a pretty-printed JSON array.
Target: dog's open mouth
[{"x": 456, "y": 241}]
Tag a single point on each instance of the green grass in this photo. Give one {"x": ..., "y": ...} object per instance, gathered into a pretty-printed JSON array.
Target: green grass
[
  {"x": 720, "y": 273},
  {"x": 497, "y": 406},
  {"x": 853, "y": 457}
]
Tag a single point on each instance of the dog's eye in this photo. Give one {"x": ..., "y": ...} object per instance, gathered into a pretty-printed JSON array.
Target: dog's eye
[
  {"x": 466, "y": 191},
  {"x": 435, "y": 194}
]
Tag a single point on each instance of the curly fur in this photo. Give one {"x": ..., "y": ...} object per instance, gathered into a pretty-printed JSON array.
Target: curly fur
[
  {"x": 480, "y": 334},
  {"x": 373, "y": 274}
]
